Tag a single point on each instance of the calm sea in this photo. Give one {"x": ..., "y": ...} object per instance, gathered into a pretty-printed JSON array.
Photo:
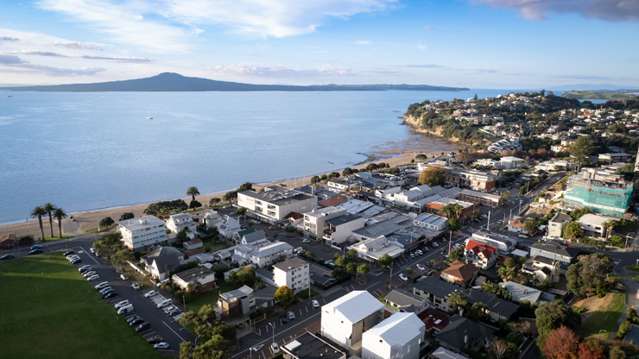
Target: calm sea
[{"x": 94, "y": 150}]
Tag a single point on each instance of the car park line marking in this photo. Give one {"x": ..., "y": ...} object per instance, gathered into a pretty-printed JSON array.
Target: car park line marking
[
  {"x": 174, "y": 332},
  {"x": 90, "y": 256}
]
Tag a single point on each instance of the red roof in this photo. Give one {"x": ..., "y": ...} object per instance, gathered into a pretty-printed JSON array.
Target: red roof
[
  {"x": 479, "y": 247},
  {"x": 333, "y": 201}
]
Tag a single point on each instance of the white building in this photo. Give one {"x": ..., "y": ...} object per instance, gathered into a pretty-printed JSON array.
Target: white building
[
  {"x": 510, "y": 162},
  {"x": 275, "y": 203},
  {"x": 345, "y": 319},
  {"x": 268, "y": 254},
  {"x": 339, "y": 229},
  {"x": 431, "y": 221},
  {"x": 293, "y": 273},
  {"x": 594, "y": 224},
  {"x": 375, "y": 248},
  {"x": 139, "y": 233},
  {"x": 500, "y": 242},
  {"x": 315, "y": 220},
  {"x": 398, "y": 336},
  {"x": 179, "y": 222},
  {"x": 226, "y": 225}
]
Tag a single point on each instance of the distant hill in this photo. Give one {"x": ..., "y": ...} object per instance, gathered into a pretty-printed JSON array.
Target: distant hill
[
  {"x": 602, "y": 94},
  {"x": 168, "y": 81}
]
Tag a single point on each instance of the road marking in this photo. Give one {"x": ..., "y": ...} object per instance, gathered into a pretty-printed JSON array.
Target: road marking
[
  {"x": 90, "y": 256},
  {"x": 174, "y": 332}
]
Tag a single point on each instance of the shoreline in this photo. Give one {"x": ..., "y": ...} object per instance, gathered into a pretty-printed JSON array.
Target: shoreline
[{"x": 84, "y": 222}]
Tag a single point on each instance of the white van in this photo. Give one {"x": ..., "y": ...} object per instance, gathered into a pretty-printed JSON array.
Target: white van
[
  {"x": 125, "y": 309},
  {"x": 164, "y": 303}
]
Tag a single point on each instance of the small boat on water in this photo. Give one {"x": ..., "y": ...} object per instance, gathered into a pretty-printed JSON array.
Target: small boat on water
[{"x": 149, "y": 118}]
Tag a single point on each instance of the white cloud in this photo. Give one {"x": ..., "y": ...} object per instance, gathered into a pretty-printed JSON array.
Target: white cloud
[
  {"x": 363, "y": 42},
  {"x": 279, "y": 71},
  {"x": 124, "y": 22},
  {"x": 271, "y": 18}
]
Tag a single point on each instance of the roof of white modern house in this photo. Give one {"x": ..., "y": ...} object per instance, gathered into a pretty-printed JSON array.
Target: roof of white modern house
[
  {"x": 290, "y": 264},
  {"x": 398, "y": 329},
  {"x": 594, "y": 219},
  {"x": 272, "y": 248},
  {"x": 355, "y": 306},
  {"x": 142, "y": 222}
]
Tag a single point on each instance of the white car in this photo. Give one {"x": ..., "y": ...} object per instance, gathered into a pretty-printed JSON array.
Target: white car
[
  {"x": 419, "y": 252},
  {"x": 275, "y": 348},
  {"x": 403, "y": 276},
  {"x": 93, "y": 277},
  {"x": 161, "y": 345},
  {"x": 122, "y": 276},
  {"x": 92, "y": 250},
  {"x": 164, "y": 303},
  {"x": 435, "y": 244},
  {"x": 101, "y": 285},
  {"x": 420, "y": 266},
  {"x": 150, "y": 294},
  {"x": 257, "y": 347},
  {"x": 125, "y": 309},
  {"x": 121, "y": 303},
  {"x": 315, "y": 303},
  {"x": 136, "y": 286}
]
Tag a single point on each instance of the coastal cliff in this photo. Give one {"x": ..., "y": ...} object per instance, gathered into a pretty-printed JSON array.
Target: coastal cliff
[{"x": 416, "y": 124}]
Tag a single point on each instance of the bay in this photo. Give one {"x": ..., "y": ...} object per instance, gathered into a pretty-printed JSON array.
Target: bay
[{"x": 86, "y": 151}]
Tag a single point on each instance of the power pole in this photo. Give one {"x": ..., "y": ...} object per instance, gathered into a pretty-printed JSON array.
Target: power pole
[
  {"x": 488, "y": 223},
  {"x": 450, "y": 242}
]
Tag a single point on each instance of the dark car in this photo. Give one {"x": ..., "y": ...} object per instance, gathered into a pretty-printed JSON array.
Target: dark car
[
  {"x": 34, "y": 251},
  {"x": 136, "y": 322},
  {"x": 142, "y": 327},
  {"x": 131, "y": 318},
  {"x": 68, "y": 252},
  {"x": 36, "y": 246},
  {"x": 7, "y": 257},
  {"x": 108, "y": 295}
]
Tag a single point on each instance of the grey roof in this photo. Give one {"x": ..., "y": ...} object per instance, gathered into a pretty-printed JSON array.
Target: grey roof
[
  {"x": 561, "y": 217},
  {"x": 290, "y": 263},
  {"x": 310, "y": 346},
  {"x": 436, "y": 286},
  {"x": 191, "y": 275},
  {"x": 253, "y": 236},
  {"x": 403, "y": 299},
  {"x": 379, "y": 229},
  {"x": 345, "y": 218},
  {"x": 494, "y": 304},
  {"x": 278, "y": 195},
  {"x": 459, "y": 329},
  {"x": 557, "y": 248},
  {"x": 166, "y": 258}
]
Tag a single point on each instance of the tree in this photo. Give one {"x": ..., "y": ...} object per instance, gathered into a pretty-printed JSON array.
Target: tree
[
  {"x": 192, "y": 191},
  {"x": 195, "y": 204},
  {"x": 185, "y": 350},
  {"x": 38, "y": 212},
  {"x": 244, "y": 276},
  {"x": 508, "y": 269},
  {"x": 456, "y": 254},
  {"x": 351, "y": 254},
  {"x": 589, "y": 275},
  {"x": 456, "y": 300},
  {"x": 561, "y": 343},
  {"x": 581, "y": 149},
  {"x": 385, "y": 261},
  {"x": 212, "y": 337},
  {"x": 315, "y": 180},
  {"x": 591, "y": 349},
  {"x": 214, "y": 201},
  {"x": 347, "y": 171},
  {"x": 530, "y": 225},
  {"x": 126, "y": 215},
  {"x": 229, "y": 196},
  {"x": 573, "y": 231},
  {"x": 49, "y": 207},
  {"x": 616, "y": 352},
  {"x": 59, "y": 215},
  {"x": 284, "y": 295},
  {"x": 433, "y": 176},
  {"x": 362, "y": 269},
  {"x": 549, "y": 316},
  {"x": 105, "y": 222},
  {"x": 453, "y": 210},
  {"x": 503, "y": 349},
  {"x": 245, "y": 186}
]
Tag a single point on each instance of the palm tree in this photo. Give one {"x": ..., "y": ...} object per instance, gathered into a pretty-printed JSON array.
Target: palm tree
[
  {"x": 49, "y": 207},
  {"x": 38, "y": 212},
  {"x": 192, "y": 191},
  {"x": 59, "y": 215}
]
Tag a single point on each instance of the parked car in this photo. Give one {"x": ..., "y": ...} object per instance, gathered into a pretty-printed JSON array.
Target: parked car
[
  {"x": 257, "y": 347},
  {"x": 403, "y": 276},
  {"x": 315, "y": 303},
  {"x": 85, "y": 268},
  {"x": 101, "y": 285},
  {"x": 66, "y": 253},
  {"x": 7, "y": 257},
  {"x": 291, "y": 315},
  {"x": 136, "y": 286},
  {"x": 36, "y": 246},
  {"x": 435, "y": 244},
  {"x": 164, "y": 303},
  {"x": 142, "y": 327},
  {"x": 127, "y": 309},
  {"x": 153, "y": 338},
  {"x": 89, "y": 273},
  {"x": 34, "y": 251},
  {"x": 122, "y": 276},
  {"x": 93, "y": 277},
  {"x": 419, "y": 252},
  {"x": 92, "y": 250},
  {"x": 105, "y": 289},
  {"x": 109, "y": 295},
  {"x": 75, "y": 261},
  {"x": 136, "y": 322},
  {"x": 150, "y": 294},
  {"x": 420, "y": 266},
  {"x": 161, "y": 345},
  {"x": 121, "y": 303},
  {"x": 131, "y": 318},
  {"x": 275, "y": 348}
]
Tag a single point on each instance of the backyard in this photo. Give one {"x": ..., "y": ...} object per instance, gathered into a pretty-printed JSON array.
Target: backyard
[
  {"x": 600, "y": 316},
  {"x": 49, "y": 311}
]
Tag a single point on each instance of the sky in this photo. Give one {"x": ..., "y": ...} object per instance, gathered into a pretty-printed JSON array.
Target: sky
[{"x": 470, "y": 43}]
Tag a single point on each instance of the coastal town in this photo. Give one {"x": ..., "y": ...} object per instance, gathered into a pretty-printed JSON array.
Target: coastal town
[{"x": 521, "y": 244}]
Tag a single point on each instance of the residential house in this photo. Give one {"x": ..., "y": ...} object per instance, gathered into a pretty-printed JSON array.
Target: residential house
[
  {"x": 557, "y": 224},
  {"x": 345, "y": 319},
  {"x": 402, "y": 301},
  {"x": 269, "y": 254},
  {"x": 293, "y": 273},
  {"x": 542, "y": 268},
  {"x": 194, "y": 246},
  {"x": 464, "y": 335},
  {"x": 480, "y": 254},
  {"x": 181, "y": 222},
  {"x": 275, "y": 203},
  {"x": 227, "y": 226},
  {"x": 315, "y": 220},
  {"x": 236, "y": 303},
  {"x": 143, "y": 232},
  {"x": 460, "y": 273},
  {"x": 496, "y": 308},
  {"x": 595, "y": 225},
  {"x": 399, "y": 336},
  {"x": 521, "y": 293},
  {"x": 555, "y": 251},
  {"x": 435, "y": 292},
  {"x": 199, "y": 279},
  {"x": 162, "y": 261}
]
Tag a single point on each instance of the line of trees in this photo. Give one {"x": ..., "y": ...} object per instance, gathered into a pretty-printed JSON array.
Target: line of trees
[{"x": 52, "y": 211}]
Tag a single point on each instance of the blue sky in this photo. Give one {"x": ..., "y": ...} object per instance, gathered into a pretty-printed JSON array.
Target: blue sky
[{"x": 475, "y": 43}]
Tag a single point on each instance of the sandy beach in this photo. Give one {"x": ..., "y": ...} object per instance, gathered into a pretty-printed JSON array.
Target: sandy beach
[{"x": 86, "y": 221}]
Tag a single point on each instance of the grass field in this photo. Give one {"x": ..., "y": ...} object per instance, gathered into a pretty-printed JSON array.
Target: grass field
[
  {"x": 602, "y": 314},
  {"x": 47, "y": 310}
]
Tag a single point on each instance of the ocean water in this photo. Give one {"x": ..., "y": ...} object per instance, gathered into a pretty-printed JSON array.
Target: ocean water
[{"x": 86, "y": 151}]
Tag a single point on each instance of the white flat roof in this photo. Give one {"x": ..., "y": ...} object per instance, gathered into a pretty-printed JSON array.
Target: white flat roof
[
  {"x": 355, "y": 306},
  {"x": 398, "y": 329}
]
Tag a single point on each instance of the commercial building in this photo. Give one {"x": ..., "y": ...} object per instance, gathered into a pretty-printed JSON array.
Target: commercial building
[
  {"x": 480, "y": 254},
  {"x": 275, "y": 203},
  {"x": 293, "y": 273},
  {"x": 398, "y": 336},
  {"x": 140, "y": 233},
  {"x": 345, "y": 319},
  {"x": 315, "y": 220},
  {"x": 431, "y": 221},
  {"x": 339, "y": 229},
  {"x": 602, "y": 190},
  {"x": 502, "y": 243}
]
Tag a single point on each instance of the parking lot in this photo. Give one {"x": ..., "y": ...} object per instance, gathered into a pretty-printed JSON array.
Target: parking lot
[{"x": 161, "y": 324}]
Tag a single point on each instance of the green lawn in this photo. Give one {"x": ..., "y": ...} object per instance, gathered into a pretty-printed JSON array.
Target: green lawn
[
  {"x": 602, "y": 314},
  {"x": 47, "y": 310}
]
